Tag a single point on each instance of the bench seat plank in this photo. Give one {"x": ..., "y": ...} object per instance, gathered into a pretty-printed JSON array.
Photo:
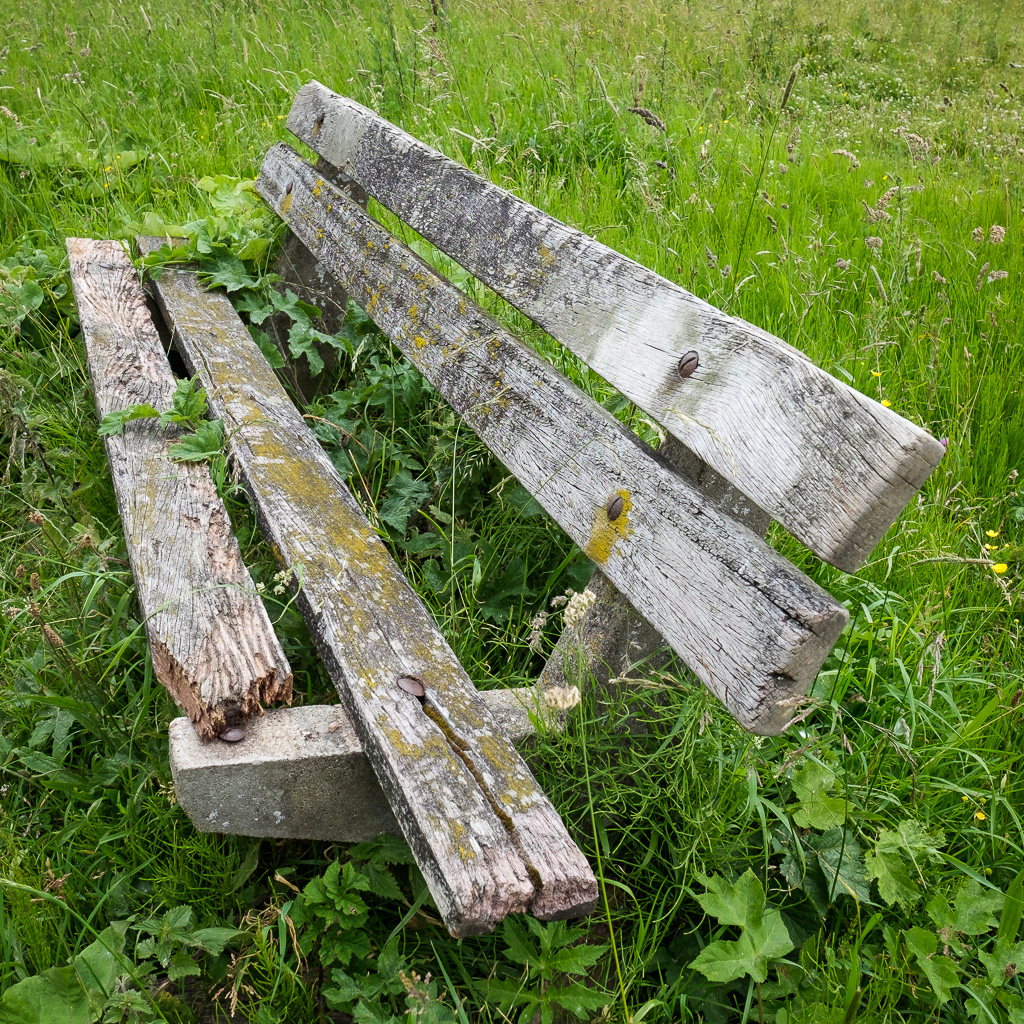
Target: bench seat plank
[
  {"x": 830, "y": 464},
  {"x": 752, "y": 627},
  {"x": 212, "y": 643},
  {"x": 486, "y": 837}
]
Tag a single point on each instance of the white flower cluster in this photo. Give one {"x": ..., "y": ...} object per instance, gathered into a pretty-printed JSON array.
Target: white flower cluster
[
  {"x": 577, "y": 608},
  {"x": 561, "y": 698}
]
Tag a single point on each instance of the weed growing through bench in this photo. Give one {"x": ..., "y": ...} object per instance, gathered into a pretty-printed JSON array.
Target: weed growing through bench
[{"x": 918, "y": 712}]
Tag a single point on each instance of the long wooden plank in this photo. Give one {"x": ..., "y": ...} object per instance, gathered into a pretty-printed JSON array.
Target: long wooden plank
[
  {"x": 487, "y": 839},
  {"x": 833, "y": 466},
  {"x": 753, "y": 628},
  {"x": 212, "y": 643}
]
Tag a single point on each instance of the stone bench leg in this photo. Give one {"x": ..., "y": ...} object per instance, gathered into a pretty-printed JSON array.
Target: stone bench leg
[{"x": 300, "y": 773}]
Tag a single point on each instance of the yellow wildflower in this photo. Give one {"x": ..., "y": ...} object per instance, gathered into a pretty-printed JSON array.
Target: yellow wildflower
[
  {"x": 991, "y": 533},
  {"x": 979, "y": 815},
  {"x": 999, "y": 568},
  {"x": 886, "y": 403}
]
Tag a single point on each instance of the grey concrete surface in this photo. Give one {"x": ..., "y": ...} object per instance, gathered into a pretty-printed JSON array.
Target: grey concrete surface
[{"x": 300, "y": 773}]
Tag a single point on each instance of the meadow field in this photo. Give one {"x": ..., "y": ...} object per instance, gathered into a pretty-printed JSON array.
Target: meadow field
[{"x": 847, "y": 176}]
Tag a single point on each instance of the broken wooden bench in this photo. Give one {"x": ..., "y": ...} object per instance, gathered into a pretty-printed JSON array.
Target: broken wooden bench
[{"x": 759, "y": 431}]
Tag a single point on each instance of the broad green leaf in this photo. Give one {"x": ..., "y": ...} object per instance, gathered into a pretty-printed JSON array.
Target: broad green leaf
[
  {"x": 207, "y": 441},
  {"x": 764, "y": 936},
  {"x": 725, "y": 960},
  {"x": 940, "y": 971},
  {"x": 818, "y": 808},
  {"x": 113, "y": 422},
  {"x": 270, "y": 351},
  {"x": 406, "y": 495},
  {"x": 227, "y": 271},
  {"x": 740, "y": 903},
  {"x": 973, "y": 912},
  {"x": 188, "y": 404},
  {"x": 1003, "y": 961},
  {"x": 182, "y": 965},
  {"x": 897, "y": 861},
  {"x": 74, "y": 994},
  {"x": 840, "y": 859},
  {"x": 577, "y": 998}
]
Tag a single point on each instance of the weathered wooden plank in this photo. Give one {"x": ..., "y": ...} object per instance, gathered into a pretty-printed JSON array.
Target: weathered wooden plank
[
  {"x": 614, "y": 639},
  {"x": 212, "y": 643},
  {"x": 299, "y": 272},
  {"x": 753, "y": 628},
  {"x": 833, "y": 466},
  {"x": 486, "y": 837}
]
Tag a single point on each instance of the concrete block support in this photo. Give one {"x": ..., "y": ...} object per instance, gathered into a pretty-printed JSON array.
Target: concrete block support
[{"x": 300, "y": 773}]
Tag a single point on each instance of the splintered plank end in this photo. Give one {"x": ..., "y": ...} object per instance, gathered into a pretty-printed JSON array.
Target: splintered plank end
[{"x": 212, "y": 643}]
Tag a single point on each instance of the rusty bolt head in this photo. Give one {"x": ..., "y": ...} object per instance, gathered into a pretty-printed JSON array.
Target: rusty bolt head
[
  {"x": 688, "y": 364},
  {"x": 614, "y": 507},
  {"x": 233, "y": 735},
  {"x": 413, "y": 685}
]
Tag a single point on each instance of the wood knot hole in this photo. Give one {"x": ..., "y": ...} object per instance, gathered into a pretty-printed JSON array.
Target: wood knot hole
[
  {"x": 687, "y": 365},
  {"x": 614, "y": 507},
  {"x": 319, "y": 123}
]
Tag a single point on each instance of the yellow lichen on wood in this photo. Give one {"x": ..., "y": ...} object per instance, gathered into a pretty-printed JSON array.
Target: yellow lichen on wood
[
  {"x": 286, "y": 203},
  {"x": 605, "y": 531},
  {"x": 518, "y": 790},
  {"x": 430, "y": 749}
]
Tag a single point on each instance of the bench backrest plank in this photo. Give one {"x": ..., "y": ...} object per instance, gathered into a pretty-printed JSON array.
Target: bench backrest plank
[
  {"x": 213, "y": 646},
  {"x": 833, "y": 466},
  {"x": 487, "y": 839},
  {"x": 752, "y": 627}
]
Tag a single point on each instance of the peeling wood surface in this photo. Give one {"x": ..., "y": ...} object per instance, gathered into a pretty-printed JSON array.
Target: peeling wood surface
[
  {"x": 212, "y": 643},
  {"x": 833, "y": 466},
  {"x": 753, "y": 628},
  {"x": 487, "y": 839}
]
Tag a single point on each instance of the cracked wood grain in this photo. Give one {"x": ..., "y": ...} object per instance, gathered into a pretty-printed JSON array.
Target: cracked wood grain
[
  {"x": 486, "y": 837},
  {"x": 833, "y": 466},
  {"x": 212, "y": 644},
  {"x": 752, "y": 627}
]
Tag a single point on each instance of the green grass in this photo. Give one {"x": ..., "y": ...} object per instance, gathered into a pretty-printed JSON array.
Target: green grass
[{"x": 898, "y": 795}]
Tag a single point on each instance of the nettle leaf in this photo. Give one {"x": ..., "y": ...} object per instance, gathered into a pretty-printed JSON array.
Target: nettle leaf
[
  {"x": 940, "y": 971},
  {"x": 182, "y": 965},
  {"x": 812, "y": 784},
  {"x": 897, "y": 860},
  {"x": 206, "y": 442},
  {"x": 113, "y": 422},
  {"x": 764, "y": 936}
]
